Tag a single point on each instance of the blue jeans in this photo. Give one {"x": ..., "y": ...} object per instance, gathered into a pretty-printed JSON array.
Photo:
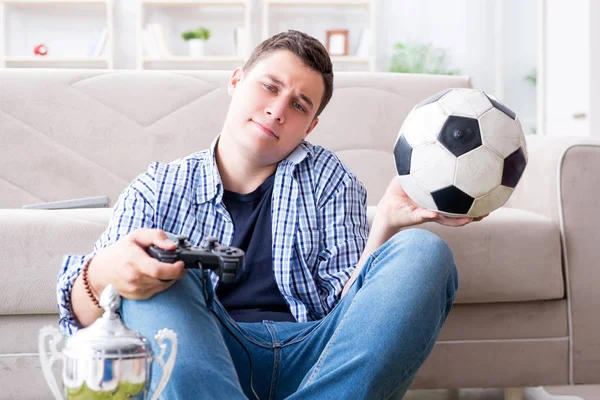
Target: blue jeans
[{"x": 369, "y": 346}]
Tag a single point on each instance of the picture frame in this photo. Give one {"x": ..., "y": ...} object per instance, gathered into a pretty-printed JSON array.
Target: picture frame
[{"x": 336, "y": 42}]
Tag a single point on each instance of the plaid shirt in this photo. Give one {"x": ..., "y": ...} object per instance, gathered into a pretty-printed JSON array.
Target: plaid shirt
[{"x": 319, "y": 223}]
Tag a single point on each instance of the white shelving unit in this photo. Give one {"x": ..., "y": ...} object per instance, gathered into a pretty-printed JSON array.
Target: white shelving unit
[
  {"x": 107, "y": 60},
  {"x": 177, "y": 61},
  {"x": 46, "y": 2},
  {"x": 297, "y": 5}
]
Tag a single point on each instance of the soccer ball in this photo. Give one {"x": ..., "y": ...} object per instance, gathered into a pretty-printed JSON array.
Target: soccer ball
[{"x": 461, "y": 153}]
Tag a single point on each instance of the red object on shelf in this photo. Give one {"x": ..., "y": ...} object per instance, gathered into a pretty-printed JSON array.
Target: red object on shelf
[{"x": 40, "y": 50}]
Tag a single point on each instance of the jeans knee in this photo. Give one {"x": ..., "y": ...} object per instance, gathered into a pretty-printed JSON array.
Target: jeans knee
[
  {"x": 186, "y": 297},
  {"x": 428, "y": 252},
  {"x": 423, "y": 239}
]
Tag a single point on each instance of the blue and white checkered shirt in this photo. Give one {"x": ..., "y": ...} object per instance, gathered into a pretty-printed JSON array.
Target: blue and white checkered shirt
[{"x": 319, "y": 222}]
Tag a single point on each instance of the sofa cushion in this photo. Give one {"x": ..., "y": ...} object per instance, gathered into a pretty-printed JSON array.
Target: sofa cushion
[
  {"x": 90, "y": 132},
  {"x": 511, "y": 256},
  {"x": 32, "y": 245}
]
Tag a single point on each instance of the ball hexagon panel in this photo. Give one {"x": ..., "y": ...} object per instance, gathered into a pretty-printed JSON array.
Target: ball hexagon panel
[
  {"x": 499, "y": 132},
  {"x": 478, "y": 172},
  {"x": 465, "y": 102},
  {"x": 491, "y": 201},
  {"x": 460, "y": 135},
  {"x": 402, "y": 156},
  {"x": 514, "y": 165},
  {"x": 433, "y": 166},
  {"x": 418, "y": 193},
  {"x": 452, "y": 200},
  {"x": 424, "y": 124}
]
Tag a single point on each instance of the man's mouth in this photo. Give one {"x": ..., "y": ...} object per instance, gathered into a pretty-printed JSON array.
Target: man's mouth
[{"x": 265, "y": 129}]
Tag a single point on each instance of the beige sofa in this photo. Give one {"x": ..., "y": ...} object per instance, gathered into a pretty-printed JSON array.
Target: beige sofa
[{"x": 526, "y": 311}]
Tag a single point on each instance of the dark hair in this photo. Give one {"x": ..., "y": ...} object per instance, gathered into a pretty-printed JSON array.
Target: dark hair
[{"x": 307, "y": 48}]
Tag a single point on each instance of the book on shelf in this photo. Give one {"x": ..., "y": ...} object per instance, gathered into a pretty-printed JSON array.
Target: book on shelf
[
  {"x": 154, "y": 42},
  {"x": 100, "y": 40}
]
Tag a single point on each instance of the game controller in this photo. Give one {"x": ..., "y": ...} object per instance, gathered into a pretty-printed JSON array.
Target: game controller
[{"x": 226, "y": 261}]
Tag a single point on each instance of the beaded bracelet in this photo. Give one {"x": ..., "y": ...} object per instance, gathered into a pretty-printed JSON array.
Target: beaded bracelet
[{"x": 86, "y": 285}]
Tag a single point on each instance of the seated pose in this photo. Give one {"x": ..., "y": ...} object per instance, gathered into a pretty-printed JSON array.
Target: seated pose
[{"x": 327, "y": 308}]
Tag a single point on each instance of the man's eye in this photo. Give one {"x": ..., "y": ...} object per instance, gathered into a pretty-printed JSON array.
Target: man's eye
[
  {"x": 298, "y": 107},
  {"x": 269, "y": 87}
]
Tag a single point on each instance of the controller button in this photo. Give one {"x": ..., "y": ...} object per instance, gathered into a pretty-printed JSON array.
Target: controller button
[{"x": 210, "y": 242}]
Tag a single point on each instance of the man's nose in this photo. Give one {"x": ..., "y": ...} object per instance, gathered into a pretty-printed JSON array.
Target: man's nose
[{"x": 276, "y": 110}]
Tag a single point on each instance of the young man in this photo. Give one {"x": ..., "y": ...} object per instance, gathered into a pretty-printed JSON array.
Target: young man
[{"x": 325, "y": 310}]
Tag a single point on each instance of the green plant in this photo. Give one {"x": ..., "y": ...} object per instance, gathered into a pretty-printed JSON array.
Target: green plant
[
  {"x": 419, "y": 58},
  {"x": 531, "y": 77},
  {"x": 200, "y": 33}
]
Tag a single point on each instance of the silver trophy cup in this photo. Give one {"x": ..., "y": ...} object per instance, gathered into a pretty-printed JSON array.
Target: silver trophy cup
[{"x": 106, "y": 359}]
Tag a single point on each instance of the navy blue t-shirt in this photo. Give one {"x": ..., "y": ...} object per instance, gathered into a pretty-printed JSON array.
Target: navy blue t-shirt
[{"x": 255, "y": 296}]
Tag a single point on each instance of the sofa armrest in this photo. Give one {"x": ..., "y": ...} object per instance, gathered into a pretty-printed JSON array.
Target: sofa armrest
[
  {"x": 561, "y": 182},
  {"x": 579, "y": 215},
  {"x": 32, "y": 246},
  {"x": 538, "y": 189}
]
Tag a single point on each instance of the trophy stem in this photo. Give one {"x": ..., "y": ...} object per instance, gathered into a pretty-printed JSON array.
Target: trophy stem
[
  {"x": 167, "y": 367},
  {"x": 47, "y": 362}
]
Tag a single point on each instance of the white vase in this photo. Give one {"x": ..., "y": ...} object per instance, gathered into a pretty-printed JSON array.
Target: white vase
[{"x": 196, "y": 47}]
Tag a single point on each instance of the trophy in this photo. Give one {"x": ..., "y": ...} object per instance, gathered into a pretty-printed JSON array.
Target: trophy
[{"x": 106, "y": 359}]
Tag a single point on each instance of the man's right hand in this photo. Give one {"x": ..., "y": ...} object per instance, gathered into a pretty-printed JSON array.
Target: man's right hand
[{"x": 131, "y": 270}]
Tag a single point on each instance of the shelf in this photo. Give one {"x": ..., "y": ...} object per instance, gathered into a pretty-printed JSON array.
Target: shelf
[
  {"x": 178, "y": 3},
  {"x": 326, "y": 3},
  {"x": 54, "y": 60},
  {"x": 367, "y": 7},
  {"x": 68, "y": 59},
  {"x": 53, "y": 2},
  {"x": 186, "y": 59}
]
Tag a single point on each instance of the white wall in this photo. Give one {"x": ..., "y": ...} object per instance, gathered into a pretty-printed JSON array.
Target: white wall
[
  {"x": 567, "y": 67},
  {"x": 465, "y": 28}
]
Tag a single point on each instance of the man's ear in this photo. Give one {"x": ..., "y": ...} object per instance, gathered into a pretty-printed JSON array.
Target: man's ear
[
  {"x": 312, "y": 126},
  {"x": 236, "y": 77}
]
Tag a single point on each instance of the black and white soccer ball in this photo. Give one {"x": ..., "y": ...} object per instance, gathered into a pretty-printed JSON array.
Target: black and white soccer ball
[{"x": 461, "y": 153}]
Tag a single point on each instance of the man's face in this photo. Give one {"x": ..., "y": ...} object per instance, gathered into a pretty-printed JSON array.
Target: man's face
[{"x": 273, "y": 106}]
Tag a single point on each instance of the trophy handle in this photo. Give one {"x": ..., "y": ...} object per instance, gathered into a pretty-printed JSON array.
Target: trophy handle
[
  {"x": 167, "y": 367},
  {"x": 47, "y": 362}
]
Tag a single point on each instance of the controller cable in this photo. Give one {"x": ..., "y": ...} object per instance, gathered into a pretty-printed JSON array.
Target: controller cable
[{"x": 239, "y": 341}]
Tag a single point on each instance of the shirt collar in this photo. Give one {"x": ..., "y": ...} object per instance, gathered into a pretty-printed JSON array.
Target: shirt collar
[
  {"x": 209, "y": 185},
  {"x": 213, "y": 186}
]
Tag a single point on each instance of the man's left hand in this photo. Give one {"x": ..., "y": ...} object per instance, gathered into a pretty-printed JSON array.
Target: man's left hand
[{"x": 398, "y": 210}]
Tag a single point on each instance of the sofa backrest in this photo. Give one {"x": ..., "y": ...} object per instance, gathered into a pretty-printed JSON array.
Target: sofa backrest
[{"x": 67, "y": 134}]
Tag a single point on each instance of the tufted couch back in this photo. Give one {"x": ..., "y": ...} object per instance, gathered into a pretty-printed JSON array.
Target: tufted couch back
[{"x": 84, "y": 133}]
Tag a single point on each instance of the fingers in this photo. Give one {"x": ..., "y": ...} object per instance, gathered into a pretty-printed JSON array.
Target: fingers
[
  {"x": 427, "y": 214},
  {"x": 147, "y": 237},
  {"x": 480, "y": 218},
  {"x": 453, "y": 221},
  {"x": 143, "y": 280},
  {"x": 142, "y": 276},
  {"x": 158, "y": 270}
]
